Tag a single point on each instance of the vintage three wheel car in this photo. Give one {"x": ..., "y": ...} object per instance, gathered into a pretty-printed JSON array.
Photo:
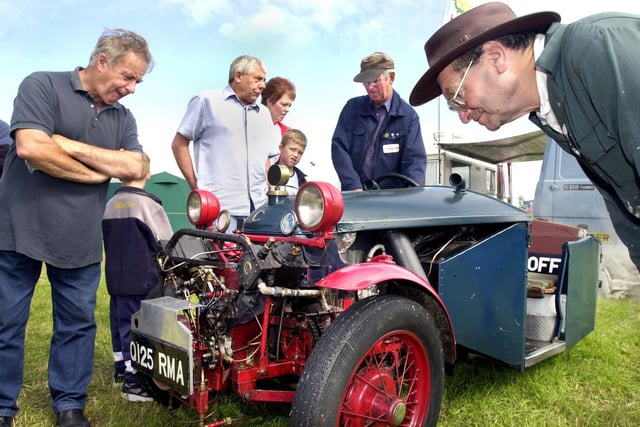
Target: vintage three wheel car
[{"x": 349, "y": 306}]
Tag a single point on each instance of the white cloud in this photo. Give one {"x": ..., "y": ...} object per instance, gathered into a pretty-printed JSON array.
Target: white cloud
[
  {"x": 201, "y": 12},
  {"x": 304, "y": 22}
]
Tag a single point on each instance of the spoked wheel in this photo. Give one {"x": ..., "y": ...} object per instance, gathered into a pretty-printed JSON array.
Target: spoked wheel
[{"x": 379, "y": 364}]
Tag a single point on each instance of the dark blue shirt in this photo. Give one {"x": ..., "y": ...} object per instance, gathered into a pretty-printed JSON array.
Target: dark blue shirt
[{"x": 133, "y": 224}]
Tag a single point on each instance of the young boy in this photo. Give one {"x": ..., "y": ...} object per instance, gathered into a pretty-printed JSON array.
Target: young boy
[
  {"x": 133, "y": 224},
  {"x": 292, "y": 147}
]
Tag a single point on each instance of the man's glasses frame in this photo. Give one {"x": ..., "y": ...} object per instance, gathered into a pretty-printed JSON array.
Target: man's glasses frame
[
  {"x": 457, "y": 102},
  {"x": 380, "y": 79}
]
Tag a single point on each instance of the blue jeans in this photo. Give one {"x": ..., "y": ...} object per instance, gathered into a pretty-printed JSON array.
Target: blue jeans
[
  {"x": 121, "y": 308},
  {"x": 73, "y": 294}
]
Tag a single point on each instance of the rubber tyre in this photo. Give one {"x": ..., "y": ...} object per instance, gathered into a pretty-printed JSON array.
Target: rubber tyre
[{"x": 380, "y": 359}]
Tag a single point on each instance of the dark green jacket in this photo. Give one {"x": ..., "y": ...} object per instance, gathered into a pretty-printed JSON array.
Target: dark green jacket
[{"x": 593, "y": 68}]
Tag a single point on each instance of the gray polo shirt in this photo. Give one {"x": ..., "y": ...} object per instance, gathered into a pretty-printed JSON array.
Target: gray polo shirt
[
  {"x": 5, "y": 139},
  {"x": 46, "y": 218}
]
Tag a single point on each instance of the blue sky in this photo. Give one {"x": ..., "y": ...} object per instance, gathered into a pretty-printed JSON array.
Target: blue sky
[{"x": 316, "y": 44}]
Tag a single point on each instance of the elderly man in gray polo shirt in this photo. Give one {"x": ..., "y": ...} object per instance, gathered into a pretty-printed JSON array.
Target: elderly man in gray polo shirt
[{"x": 71, "y": 136}]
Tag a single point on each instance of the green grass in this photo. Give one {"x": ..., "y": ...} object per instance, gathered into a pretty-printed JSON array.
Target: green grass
[{"x": 596, "y": 383}]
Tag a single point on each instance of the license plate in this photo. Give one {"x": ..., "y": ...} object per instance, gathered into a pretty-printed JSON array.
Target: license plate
[{"x": 165, "y": 363}]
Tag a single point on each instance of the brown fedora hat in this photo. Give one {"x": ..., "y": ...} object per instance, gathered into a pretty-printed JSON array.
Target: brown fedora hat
[{"x": 467, "y": 31}]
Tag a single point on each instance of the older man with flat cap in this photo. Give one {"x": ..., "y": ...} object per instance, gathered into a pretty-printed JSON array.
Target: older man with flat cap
[
  {"x": 378, "y": 134},
  {"x": 578, "y": 82}
]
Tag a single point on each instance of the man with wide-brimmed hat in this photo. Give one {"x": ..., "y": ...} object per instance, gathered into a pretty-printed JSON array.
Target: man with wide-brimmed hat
[
  {"x": 378, "y": 134},
  {"x": 578, "y": 82}
]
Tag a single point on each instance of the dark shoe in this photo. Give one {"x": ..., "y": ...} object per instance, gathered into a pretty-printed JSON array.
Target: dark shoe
[
  {"x": 118, "y": 379},
  {"x": 72, "y": 418},
  {"x": 118, "y": 373},
  {"x": 6, "y": 421},
  {"x": 133, "y": 391}
]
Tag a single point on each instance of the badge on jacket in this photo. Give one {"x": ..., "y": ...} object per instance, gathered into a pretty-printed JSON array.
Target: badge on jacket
[{"x": 390, "y": 148}]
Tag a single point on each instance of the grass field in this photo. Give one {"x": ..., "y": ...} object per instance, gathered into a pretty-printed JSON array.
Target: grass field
[{"x": 596, "y": 383}]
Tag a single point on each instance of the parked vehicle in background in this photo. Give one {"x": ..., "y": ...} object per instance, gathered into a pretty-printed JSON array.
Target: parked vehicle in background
[
  {"x": 565, "y": 195},
  {"x": 349, "y": 306},
  {"x": 479, "y": 176}
]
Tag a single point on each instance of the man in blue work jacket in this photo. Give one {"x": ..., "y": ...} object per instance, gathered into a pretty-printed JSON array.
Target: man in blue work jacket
[{"x": 378, "y": 133}]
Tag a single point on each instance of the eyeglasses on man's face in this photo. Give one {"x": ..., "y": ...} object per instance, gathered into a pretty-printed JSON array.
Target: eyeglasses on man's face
[
  {"x": 457, "y": 102},
  {"x": 376, "y": 82}
]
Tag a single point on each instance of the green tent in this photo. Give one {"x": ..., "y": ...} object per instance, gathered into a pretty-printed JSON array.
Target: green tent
[{"x": 173, "y": 192}]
